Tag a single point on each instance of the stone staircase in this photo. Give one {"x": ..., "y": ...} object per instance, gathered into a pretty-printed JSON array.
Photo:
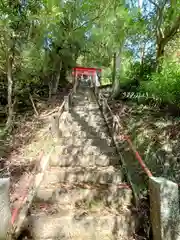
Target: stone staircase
[{"x": 79, "y": 197}]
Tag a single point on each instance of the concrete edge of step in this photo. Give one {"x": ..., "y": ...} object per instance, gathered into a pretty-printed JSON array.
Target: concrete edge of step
[
  {"x": 88, "y": 186},
  {"x": 99, "y": 222},
  {"x": 18, "y": 225},
  {"x": 83, "y": 169},
  {"x": 118, "y": 195}
]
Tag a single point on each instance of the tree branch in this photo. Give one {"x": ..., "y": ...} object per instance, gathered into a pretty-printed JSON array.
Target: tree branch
[
  {"x": 34, "y": 107},
  {"x": 88, "y": 21},
  {"x": 172, "y": 31},
  {"x": 158, "y": 6},
  {"x": 93, "y": 19},
  {"x": 154, "y": 3}
]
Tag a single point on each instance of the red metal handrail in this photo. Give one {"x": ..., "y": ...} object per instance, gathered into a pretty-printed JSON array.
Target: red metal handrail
[
  {"x": 127, "y": 138},
  {"x": 138, "y": 157}
]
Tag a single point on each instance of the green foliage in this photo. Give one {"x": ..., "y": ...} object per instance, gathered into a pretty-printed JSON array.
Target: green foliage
[
  {"x": 44, "y": 40},
  {"x": 166, "y": 83},
  {"x": 106, "y": 35},
  {"x": 106, "y": 77}
]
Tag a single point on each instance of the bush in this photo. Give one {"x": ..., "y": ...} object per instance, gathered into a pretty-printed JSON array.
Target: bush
[
  {"x": 129, "y": 81},
  {"x": 106, "y": 77},
  {"x": 135, "y": 74},
  {"x": 166, "y": 83}
]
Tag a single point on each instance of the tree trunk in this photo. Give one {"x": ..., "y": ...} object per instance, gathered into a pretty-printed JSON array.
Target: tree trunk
[
  {"x": 140, "y": 3},
  {"x": 160, "y": 46},
  {"x": 34, "y": 107},
  {"x": 160, "y": 51},
  {"x": 142, "y": 53},
  {"x": 50, "y": 89},
  {"x": 162, "y": 40},
  {"x": 114, "y": 68},
  {"x": 56, "y": 84},
  {"x": 10, "y": 90},
  {"x": 116, "y": 82},
  {"x": 163, "y": 36},
  {"x": 142, "y": 45},
  {"x": 116, "y": 88}
]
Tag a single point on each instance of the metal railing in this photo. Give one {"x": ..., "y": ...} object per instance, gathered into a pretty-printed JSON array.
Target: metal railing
[{"x": 118, "y": 127}]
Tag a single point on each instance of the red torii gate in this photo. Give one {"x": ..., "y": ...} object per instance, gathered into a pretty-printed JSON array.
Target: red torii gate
[{"x": 86, "y": 71}]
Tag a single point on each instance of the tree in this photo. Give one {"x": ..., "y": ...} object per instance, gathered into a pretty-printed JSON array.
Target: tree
[
  {"x": 166, "y": 23},
  {"x": 106, "y": 39}
]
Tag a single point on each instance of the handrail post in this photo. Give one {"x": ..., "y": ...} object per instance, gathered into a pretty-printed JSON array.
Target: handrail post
[
  {"x": 5, "y": 212},
  {"x": 66, "y": 103},
  {"x": 75, "y": 86},
  {"x": 55, "y": 131},
  {"x": 100, "y": 100},
  {"x": 96, "y": 91},
  {"x": 104, "y": 105},
  {"x": 164, "y": 208}
]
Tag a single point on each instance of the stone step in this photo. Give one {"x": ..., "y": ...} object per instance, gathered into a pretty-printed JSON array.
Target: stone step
[
  {"x": 80, "y": 101},
  {"x": 86, "y": 112},
  {"x": 88, "y": 118},
  {"x": 86, "y": 108},
  {"x": 81, "y": 226},
  {"x": 86, "y": 142},
  {"x": 78, "y": 126},
  {"x": 96, "y": 175},
  {"x": 81, "y": 136},
  {"x": 84, "y": 155},
  {"x": 83, "y": 105},
  {"x": 83, "y": 160},
  {"x": 96, "y": 133},
  {"x": 85, "y": 126},
  {"x": 85, "y": 196},
  {"x": 94, "y": 146},
  {"x": 88, "y": 102},
  {"x": 81, "y": 117},
  {"x": 90, "y": 131}
]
